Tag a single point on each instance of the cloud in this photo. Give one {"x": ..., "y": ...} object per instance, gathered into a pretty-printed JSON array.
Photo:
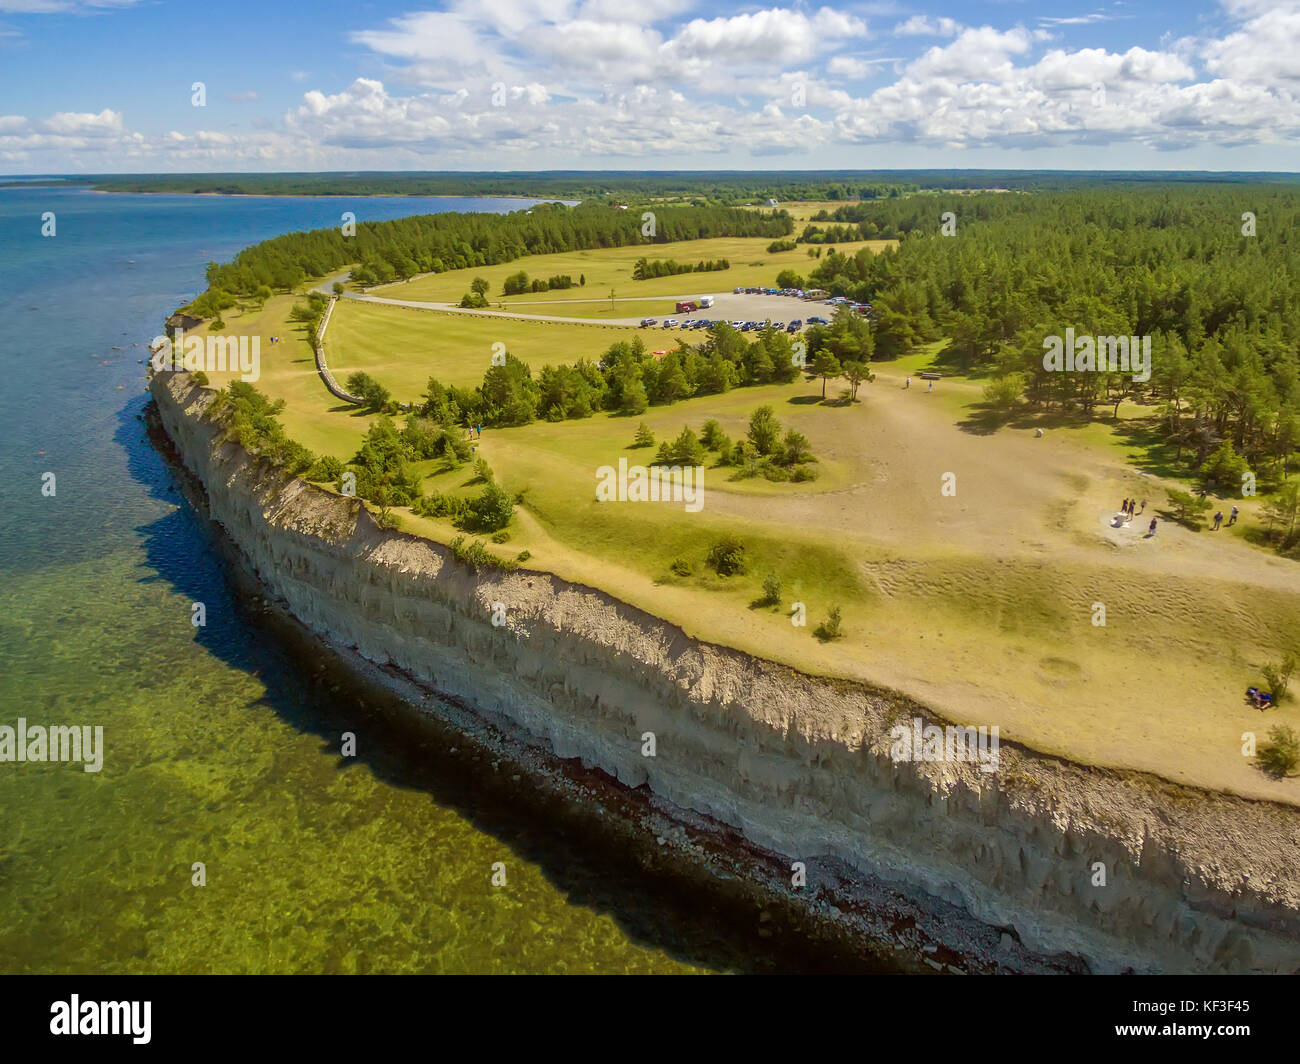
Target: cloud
[
  {"x": 62, "y": 7},
  {"x": 105, "y": 124},
  {"x": 924, "y": 26},
  {"x": 487, "y": 83},
  {"x": 1265, "y": 49}
]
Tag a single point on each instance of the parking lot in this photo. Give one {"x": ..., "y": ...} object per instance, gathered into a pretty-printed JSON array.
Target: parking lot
[{"x": 730, "y": 307}]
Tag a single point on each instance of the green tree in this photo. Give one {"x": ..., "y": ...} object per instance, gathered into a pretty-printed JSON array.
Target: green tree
[
  {"x": 644, "y": 437},
  {"x": 764, "y": 430},
  {"x": 825, "y": 365},
  {"x": 373, "y": 394},
  {"x": 1223, "y": 469},
  {"x": 1283, "y": 511},
  {"x": 856, "y": 373},
  {"x": 1189, "y": 508},
  {"x": 1003, "y": 393}
]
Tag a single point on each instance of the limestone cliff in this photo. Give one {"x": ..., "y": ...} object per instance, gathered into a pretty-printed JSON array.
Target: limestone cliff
[{"x": 1195, "y": 881}]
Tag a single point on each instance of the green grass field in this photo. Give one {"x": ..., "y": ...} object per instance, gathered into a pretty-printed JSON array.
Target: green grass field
[
  {"x": 978, "y": 604},
  {"x": 403, "y": 348},
  {"x": 607, "y": 268}
]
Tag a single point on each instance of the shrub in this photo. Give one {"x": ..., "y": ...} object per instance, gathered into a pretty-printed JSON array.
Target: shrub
[
  {"x": 200, "y": 378},
  {"x": 1278, "y": 676},
  {"x": 326, "y": 470},
  {"x": 516, "y": 283},
  {"x": 473, "y": 300},
  {"x": 644, "y": 437},
  {"x": 452, "y": 506},
  {"x": 482, "y": 471},
  {"x": 727, "y": 556},
  {"x": 1280, "y": 755},
  {"x": 524, "y": 556},
  {"x": 1188, "y": 508},
  {"x": 712, "y": 435},
  {"x": 492, "y": 510},
  {"x": 764, "y": 430},
  {"x": 830, "y": 628},
  {"x": 681, "y": 567},
  {"x": 473, "y": 554},
  {"x": 687, "y": 449},
  {"x": 771, "y": 590},
  {"x": 501, "y": 536}
]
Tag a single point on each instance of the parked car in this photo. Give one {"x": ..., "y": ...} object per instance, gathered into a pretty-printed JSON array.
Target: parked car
[
  {"x": 670, "y": 323},
  {"x": 647, "y": 322},
  {"x": 812, "y": 320}
]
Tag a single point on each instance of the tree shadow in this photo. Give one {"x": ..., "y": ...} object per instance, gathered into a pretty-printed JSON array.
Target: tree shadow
[
  {"x": 1156, "y": 453},
  {"x": 984, "y": 419}
]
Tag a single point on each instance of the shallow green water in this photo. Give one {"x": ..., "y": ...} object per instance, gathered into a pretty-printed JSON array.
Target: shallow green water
[
  {"x": 220, "y": 748},
  {"x": 313, "y": 864}
]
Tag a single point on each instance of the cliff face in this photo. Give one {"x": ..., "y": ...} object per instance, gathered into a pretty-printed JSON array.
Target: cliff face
[{"x": 1193, "y": 881}]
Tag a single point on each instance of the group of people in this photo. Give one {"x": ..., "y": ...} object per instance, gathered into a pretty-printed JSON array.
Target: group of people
[
  {"x": 1260, "y": 699},
  {"x": 1218, "y": 519},
  {"x": 1128, "y": 509},
  {"x": 473, "y": 431}
]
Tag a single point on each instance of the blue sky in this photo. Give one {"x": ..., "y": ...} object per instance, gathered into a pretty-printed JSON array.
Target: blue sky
[{"x": 106, "y": 85}]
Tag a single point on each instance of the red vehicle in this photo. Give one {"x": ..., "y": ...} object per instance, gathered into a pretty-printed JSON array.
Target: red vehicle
[{"x": 686, "y": 306}]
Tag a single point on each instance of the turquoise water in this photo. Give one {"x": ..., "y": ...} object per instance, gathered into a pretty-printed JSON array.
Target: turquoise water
[{"x": 221, "y": 742}]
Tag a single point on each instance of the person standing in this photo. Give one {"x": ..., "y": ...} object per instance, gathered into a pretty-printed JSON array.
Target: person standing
[
  {"x": 1232, "y": 517},
  {"x": 1218, "y": 520},
  {"x": 1152, "y": 530},
  {"x": 931, "y": 388},
  {"x": 1123, "y": 507},
  {"x": 908, "y": 384},
  {"x": 1144, "y": 506}
]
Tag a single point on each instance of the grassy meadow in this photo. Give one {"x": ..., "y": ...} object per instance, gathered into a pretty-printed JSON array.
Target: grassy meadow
[
  {"x": 606, "y": 268},
  {"x": 980, "y": 603}
]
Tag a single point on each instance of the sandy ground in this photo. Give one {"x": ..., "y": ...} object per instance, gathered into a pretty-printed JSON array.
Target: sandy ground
[{"x": 982, "y": 604}]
